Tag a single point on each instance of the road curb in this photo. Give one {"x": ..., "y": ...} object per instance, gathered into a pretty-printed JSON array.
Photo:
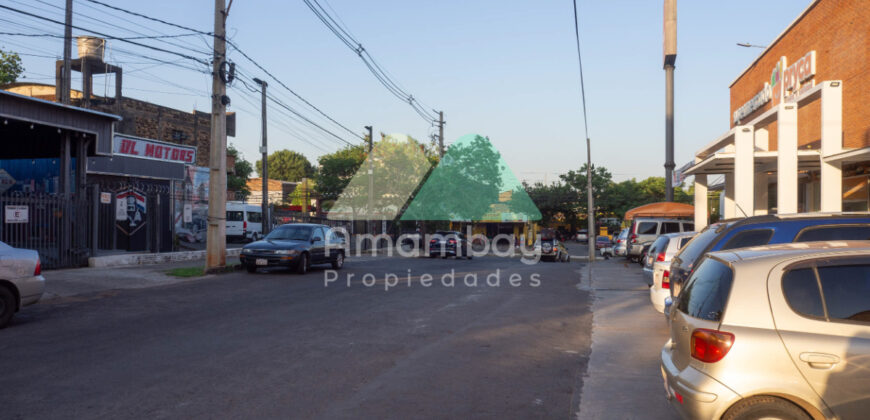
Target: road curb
[{"x": 124, "y": 260}]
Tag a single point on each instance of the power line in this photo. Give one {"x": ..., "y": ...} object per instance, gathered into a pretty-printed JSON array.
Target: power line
[
  {"x": 118, "y": 38},
  {"x": 205, "y": 62},
  {"x": 383, "y": 77},
  {"x": 580, "y": 61}
]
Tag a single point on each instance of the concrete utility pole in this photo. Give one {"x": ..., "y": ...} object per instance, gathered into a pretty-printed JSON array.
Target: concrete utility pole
[
  {"x": 669, "y": 50},
  {"x": 66, "y": 83},
  {"x": 590, "y": 204},
  {"x": 267, "y": 221},
  {"x": 441, "y": 133},
  {"x": 216, "y": 241}
]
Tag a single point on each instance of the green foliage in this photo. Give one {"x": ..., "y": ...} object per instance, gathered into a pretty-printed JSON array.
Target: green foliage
[
  {"x": 552, "y": 199},
  {"x": 238, "y": 180},
  {"x": 336, "y": 171},
  {"x": 287, "y": 165},
  {"x": 10, "y": 67}
]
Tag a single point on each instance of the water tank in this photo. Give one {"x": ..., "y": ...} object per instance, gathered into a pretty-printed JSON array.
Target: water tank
[{"x": 91, "y": 47}]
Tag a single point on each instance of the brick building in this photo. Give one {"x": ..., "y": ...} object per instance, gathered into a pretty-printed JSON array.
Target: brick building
[
  {"x": 800, "y": 133},
  {"x": 141, "y": 118}
]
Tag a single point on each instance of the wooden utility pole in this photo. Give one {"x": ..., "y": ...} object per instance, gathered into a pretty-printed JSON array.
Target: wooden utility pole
[
  {"x": 441, "y": 133},
  {"x": 591, "y": 235},
  {"x": 267, "y": 221},
  {"x": 371, "y": 202},
  {"x": 216, "y": 241}
]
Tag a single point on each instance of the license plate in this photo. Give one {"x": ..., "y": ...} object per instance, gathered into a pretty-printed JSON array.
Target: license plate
[{"x": 262, "y": 261}]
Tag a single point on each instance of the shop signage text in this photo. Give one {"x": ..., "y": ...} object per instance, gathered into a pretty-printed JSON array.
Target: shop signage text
[
  {"x": 150, "y": 149},
  {"x": 16, "y": 214},
  {"x": 786, "y": 83}
]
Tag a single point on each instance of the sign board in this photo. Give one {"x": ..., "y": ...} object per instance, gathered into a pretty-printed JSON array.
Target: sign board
[
  {"x": 679, "y": 175},
  {"x": 188, "y": 213},
  {"x": 153, "y": 149},
  {"x": 120, "y": 210},
  {"x": 105, "y": 198},
  {"x": 785, "y": 85},
  {"x": 16, "y": 214},
  {"x": 6, "y": 181}
]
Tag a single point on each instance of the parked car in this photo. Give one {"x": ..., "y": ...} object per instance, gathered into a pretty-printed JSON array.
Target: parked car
[
  {"x": 582, "y": 235},
  {"x": 244, "y": 221},
  {"x": 645, "y": 230},
  {"x": 778, "y": 331},
  {"x": 621, "y": 241},
  {"x": 762, "y": 230},
  {"x": 21, "y": 281},
  {"x": 604, "y": 246},
  {"x": 446, "y": 243},
  {"x": 657, "y": 264},
  {"x": 297, "y": 246}
]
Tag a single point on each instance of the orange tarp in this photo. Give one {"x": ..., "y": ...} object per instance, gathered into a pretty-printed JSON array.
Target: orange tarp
[{"x": 663, "y": 209}]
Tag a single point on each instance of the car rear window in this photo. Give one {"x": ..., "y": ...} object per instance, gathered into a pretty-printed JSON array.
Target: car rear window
[
  {"x": 801, "y": 291},
  {"x": 684, "y": 241},
  {"x": 846, "y": 290},
  {"x": 834, "y": 233},
  {"x": 235, "y": 216},
  {"x": 647, "y": 228},
  {"x": 670, "y": 227},
  {"x": 707, "y": 291},
  {"x": 688, "y": 227},
  {"x": 747, "y": 238},
  {"x": 693, "y": 250},
  {"x": 659, "y": 245}
]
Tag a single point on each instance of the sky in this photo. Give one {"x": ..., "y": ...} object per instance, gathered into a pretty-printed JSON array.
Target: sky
[{"x": 503, "y": 69}]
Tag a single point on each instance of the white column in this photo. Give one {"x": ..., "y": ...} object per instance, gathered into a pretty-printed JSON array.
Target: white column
[
  {"x": 744, "y": 171},
  {"x": 787, "y": 159},
  {"x": 761, "y": 185},
  {"x": 832, "y": 143},
  {"x": 701, "y": 211},
  {"x": 729, "y": 210},
  {"x": 762, "y": 139}
]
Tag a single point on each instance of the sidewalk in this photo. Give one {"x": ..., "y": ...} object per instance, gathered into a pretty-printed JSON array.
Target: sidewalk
[
  {"x": 88, "y": 280},
  {"x": 623, "y": 379}
]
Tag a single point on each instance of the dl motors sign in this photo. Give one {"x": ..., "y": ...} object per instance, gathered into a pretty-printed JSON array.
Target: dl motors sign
[{"x": 153, "y": 149}]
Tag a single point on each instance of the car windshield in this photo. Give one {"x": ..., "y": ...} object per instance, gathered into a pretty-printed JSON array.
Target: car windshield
[
  {"x": 290, "y": 233},
  {"x": 690, "y": 253}
]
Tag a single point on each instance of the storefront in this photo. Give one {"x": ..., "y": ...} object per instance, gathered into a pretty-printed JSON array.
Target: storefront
[{"x": 800, "y": 132}]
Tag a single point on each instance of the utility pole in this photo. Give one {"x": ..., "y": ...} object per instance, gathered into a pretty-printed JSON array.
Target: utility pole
[
  {"x": 267, "y": 220},
  {"x": 590, "y": 204},
  {"x": 441, "y": 133},
  {"x": 216, "y": 241},
  {"x": 669, "y": 52},
  {"x": 67, "y": 55},
  {"x": 371, "y": 180}
]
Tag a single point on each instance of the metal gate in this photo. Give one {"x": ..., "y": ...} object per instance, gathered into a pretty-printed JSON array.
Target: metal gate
[{"x": 55, "y": 225}]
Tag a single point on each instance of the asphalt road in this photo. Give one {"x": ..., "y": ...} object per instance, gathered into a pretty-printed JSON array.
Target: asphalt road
[{"x": 278, "y": 344}]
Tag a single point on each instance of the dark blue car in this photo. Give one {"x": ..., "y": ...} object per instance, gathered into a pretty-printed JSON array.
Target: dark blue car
[{"x": 762, "y": 230}]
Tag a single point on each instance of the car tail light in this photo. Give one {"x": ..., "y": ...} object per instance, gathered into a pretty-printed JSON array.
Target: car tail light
[
  {"x": 245, "y": 224},
  {"x": 711, "y": 346},
  {"x": 633, "y": 238},
  {"x": 38, "y": 270},
  {"x": 451, "y": 241},
  {"x": 666, "y": 280},
  {"x": 660, "y": 257},
  {"x": 433, "y": 241}
]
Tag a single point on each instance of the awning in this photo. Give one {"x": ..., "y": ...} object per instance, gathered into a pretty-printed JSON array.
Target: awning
[
  {"x": 723, "y": 162},
  {"x": 663, "y": 209}
]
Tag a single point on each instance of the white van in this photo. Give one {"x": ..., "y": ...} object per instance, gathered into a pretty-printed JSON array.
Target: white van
[{"x": 244, "y": 221}]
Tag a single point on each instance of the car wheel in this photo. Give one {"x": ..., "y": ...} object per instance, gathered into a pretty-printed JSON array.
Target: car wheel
[
  {"x": 765, "y": 407},
  {"x": 338, "y": 262},
  {"x": 7, "y": 306},
  {"x": 251, "y": 268},
  {"x": 303, "y": 264}
]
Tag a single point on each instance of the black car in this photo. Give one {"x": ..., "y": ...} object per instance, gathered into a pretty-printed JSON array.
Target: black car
[
  {"x": 447, "y": 243},
  {"x": 297, "y": 246}
]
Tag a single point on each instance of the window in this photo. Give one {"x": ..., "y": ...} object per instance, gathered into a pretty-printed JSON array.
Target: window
[
  {"x": 255, "y": 217},
  {"x": 235, "y": 216},
  {"x": 846, "y": 289},
  {"x": 290, "y": 233},
  {"x": 684, "y": 241},
  {"x": 647, "y": 228},
  {"x": 697, "y": 245},
  {"x": 318, "y": 233},
  {"x": 749, "y": 238},
  {"x": 688, "y": 227},
  {"x": 707, "y": 291},
  {"x": 834, "y": 233},
  {"x": 660, "y": 245},
  {"x": 670, "y": 227},
  {"x": 801, "y": 291}
]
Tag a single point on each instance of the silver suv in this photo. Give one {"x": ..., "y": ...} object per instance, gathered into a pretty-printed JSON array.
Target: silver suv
[{"x": 777, "y": 331}]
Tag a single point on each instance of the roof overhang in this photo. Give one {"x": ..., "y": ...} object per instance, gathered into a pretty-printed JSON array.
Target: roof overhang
[
  {"x": 849, "y": 156},
  {"x": 723, "y": 162}
]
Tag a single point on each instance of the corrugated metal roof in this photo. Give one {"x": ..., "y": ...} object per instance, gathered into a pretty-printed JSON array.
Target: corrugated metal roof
[{"x": 62, "y": 106}]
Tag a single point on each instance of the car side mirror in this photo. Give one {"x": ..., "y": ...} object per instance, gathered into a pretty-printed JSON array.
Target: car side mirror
[{"x": 316, "y": 239}]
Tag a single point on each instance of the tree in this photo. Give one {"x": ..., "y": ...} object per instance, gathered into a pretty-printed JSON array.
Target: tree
[
  {"x": 10, "y": 67},
  {"x": 287, "y": 165},
  {"x": 601, "y": 186},
  {"x": 336, "y": 170},
  {"x": 238, "y": 180},
  {"x": 553, "y": 199}
]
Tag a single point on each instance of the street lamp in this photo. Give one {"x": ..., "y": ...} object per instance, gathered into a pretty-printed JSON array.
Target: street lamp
[{"x": 748, "y": 45}]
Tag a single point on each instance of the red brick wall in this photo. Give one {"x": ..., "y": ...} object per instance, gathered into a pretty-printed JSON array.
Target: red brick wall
[{"x": 839, "y": 32}]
